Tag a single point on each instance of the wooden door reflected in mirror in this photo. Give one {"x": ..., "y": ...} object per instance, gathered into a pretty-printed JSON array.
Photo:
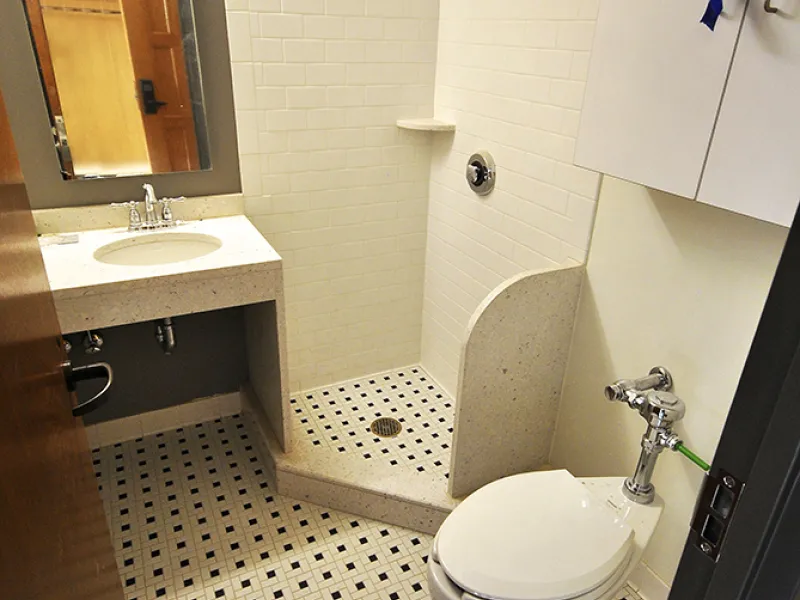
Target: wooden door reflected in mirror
[{"x": 123, "y": 85}]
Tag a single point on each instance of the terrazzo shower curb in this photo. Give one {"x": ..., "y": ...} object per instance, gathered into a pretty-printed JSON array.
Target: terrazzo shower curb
[
  {"x": 363, "y": 502},
  {"x": 366, "y": 492}
]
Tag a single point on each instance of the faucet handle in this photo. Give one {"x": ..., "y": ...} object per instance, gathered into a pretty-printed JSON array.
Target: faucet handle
[
  {"x": 134, "y": 218},
  {"x": 166, "y": 211}
]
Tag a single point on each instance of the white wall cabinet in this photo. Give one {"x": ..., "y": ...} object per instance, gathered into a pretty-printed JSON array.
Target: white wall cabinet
[
  {"x": 656, "y": 79},
  {"x": 660, "y": 109},
  {"x": 754, "y": 164}
]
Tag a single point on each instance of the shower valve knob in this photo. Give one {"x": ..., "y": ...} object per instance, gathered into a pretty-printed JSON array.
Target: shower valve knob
[{"x": 481, "y": 173}]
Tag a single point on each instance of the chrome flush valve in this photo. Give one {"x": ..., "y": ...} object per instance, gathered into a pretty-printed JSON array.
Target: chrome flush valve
[
  {"x": 651, "y": 398},
  {"x": 658, "y": 379}
]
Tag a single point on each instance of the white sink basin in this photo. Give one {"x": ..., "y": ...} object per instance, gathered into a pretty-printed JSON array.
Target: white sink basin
[{"x": 157, "y": 249}]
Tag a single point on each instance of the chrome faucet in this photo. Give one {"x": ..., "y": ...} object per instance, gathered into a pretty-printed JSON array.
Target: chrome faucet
[
  {"x": 151, "y": 219},
  {"x": 150, "y": 200}
]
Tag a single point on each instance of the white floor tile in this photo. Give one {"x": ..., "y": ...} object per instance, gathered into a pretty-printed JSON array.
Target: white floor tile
[
  {"x": 336, "y": 419},
  {"x": 193, "y": 518}
]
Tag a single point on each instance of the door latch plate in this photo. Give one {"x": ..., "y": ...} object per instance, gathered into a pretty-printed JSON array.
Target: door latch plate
[{"x": 714, "y": 512}]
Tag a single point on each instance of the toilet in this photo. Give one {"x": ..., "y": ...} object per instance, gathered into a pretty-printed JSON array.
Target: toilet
[{"x": 541, "y": 536}]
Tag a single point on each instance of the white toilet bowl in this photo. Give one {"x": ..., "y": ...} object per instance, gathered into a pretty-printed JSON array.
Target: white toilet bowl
[{"x": 541, "y": 536}]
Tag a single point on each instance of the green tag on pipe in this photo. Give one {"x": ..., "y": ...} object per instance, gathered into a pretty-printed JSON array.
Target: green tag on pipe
[{"x": 693, "y": 457}]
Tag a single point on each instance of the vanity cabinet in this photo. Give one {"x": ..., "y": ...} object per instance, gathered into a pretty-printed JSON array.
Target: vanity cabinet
[
  {"x": 661, "y": 110},
  {"x": 92, "y": 290}
]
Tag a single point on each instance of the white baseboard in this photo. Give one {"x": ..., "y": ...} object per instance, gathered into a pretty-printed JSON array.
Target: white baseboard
[
  {"x": 647, "y": 584},
  {"x": 130, "y": 428}
]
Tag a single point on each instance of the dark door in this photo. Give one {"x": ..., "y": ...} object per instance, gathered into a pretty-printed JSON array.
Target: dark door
[
  {"x": 751, "y": 550},
  {"x": 54, "y": 540}
]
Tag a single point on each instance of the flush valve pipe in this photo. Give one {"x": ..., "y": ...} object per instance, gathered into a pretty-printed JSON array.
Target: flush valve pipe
[
  {"x": 659, "y": 378},
  {"x": 650, "y": 396},
  {"x": 92, "y": 342}
]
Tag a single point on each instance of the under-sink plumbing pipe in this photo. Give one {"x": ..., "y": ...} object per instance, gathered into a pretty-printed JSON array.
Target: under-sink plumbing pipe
[
  {"x": 92, "y": 342},
  {"x": 165, "y": 335}
]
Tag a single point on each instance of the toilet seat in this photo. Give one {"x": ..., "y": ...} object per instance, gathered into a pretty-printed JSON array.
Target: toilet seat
[
  {"x": 536, "y": 536},
  {"x": 442, "y": 588}
]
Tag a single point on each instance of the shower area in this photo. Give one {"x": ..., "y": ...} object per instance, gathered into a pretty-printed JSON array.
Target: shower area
[
  {"x": 427, "y": 324},
  {"x": 390, "y": 434},
  {"x": 397, "y": 447},
  {"x": 399, "y": 419}
]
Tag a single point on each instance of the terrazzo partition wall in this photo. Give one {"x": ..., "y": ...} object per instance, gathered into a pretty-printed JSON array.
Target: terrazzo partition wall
[
  {"x": 510, "y": 378},
  {"x": 510, "y": 74},
  {"x": 327, "y": 177},
  {"x": 683, "y": 287}
]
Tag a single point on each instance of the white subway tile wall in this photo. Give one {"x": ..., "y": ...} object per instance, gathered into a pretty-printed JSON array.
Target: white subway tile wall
[
  {"x": 511, "y": 75},
  {"x": 328, "y": 178}
]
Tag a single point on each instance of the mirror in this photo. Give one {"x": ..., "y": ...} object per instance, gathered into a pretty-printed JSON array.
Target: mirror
[{"x": 122, "y": 81}]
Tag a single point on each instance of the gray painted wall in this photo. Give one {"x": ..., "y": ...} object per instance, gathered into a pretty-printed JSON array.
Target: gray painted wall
[{"x": 210, "y": 359}]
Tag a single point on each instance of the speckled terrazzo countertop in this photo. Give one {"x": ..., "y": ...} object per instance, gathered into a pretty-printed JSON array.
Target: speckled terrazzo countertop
[
  {"x": 73, "y": 270},
  {"x": 89, "y": 293}
]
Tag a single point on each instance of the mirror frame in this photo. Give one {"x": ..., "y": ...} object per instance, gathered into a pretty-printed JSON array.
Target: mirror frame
[{"x": 30, "y": 120}]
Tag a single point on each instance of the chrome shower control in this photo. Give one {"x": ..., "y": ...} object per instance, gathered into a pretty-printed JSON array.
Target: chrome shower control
[{"x": 481, "y": 173}]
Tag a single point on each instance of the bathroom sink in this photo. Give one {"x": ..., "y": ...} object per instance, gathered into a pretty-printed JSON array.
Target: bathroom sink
[{"x": 157, "y": 249}]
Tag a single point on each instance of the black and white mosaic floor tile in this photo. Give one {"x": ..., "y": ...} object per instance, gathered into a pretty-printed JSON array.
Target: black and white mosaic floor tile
[
  {"x": 337, "y": 419},
  {"x": 193, "y": 518}
]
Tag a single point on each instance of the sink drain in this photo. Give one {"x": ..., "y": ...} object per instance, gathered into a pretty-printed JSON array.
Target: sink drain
[{"x": 386, "y": 427}]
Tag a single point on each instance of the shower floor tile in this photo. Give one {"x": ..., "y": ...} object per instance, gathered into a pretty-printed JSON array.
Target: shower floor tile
[
  {"x": 336, "y": 419},
  {"x": 192, "y": 517}
]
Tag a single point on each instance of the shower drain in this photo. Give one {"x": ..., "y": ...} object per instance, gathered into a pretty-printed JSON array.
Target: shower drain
[{"x": 386, "y": 427}]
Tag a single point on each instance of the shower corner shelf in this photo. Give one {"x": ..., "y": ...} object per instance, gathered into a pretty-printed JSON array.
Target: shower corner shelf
[{"x": 433, "y": 125}]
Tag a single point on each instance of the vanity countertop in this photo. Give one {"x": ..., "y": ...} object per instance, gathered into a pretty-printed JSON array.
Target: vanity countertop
[
  {"x": 89, "y": 294},
  {"x": 73, "y": 270}
]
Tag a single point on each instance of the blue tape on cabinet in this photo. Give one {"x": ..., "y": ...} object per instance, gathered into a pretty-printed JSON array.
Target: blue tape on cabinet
[{"x": 713, "y": 11}]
